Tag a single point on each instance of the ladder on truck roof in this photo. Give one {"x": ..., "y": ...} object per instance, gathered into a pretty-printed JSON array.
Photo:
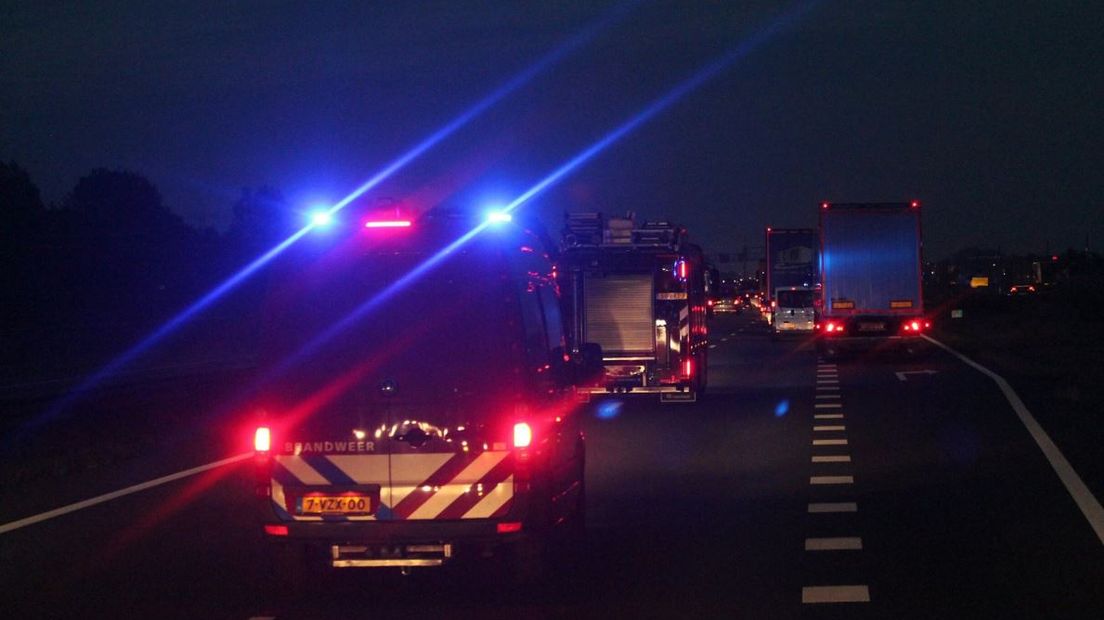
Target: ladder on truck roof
[{"x": 590, "y": 229}]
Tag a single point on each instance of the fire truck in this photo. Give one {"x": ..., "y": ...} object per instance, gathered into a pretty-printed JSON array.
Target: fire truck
[{"x": 637, "y": 291}]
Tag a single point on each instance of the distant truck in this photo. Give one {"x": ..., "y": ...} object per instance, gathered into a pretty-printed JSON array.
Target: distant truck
[
  {"x": 870, "y": 267},
  {"x": 638, "y": 291},
  {"x": 792, "y": 279}
]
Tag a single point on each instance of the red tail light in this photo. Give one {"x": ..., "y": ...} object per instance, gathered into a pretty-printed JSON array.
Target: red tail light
[
  {"x": 508, "y": 527},
  {"x": 276, "y": 530},
  {"x": 687, "y": 368},
  {"x": 523, "y": 435},
  {"x": 833, "y": 328},
  {"x": 262, "y": 439}
]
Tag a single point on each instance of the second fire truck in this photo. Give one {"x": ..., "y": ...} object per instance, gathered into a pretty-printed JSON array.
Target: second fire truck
[{"x": 638, "y": 292}]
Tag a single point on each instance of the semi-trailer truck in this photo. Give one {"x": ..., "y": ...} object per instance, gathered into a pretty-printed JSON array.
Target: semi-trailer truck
[{"x": 870, "y": 269}]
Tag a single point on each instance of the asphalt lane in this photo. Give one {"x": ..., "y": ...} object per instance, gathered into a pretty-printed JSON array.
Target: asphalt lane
[{"x": 702, "y": 510}]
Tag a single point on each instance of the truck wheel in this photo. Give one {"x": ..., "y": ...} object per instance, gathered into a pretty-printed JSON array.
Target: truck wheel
[
  {"x": 292, "y": 573},
  {"x": 702, "y": 380},
  {"x": 527, "y": 562}
]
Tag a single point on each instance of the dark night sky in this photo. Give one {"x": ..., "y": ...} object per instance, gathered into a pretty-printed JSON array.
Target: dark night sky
[{"x": 989, "y": 112}]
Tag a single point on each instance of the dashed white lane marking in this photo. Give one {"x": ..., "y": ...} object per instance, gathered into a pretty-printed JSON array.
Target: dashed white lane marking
[
  {"x": 827, "y": 396},
  {"x": 831, "y": 480},
  {"x": 829, "y": 442},
  {"x": 1086, "y": 501},
  {"x": 724, "y": 339},
  {"x": 106, "y": 497},
  {"x": 831, "y": 458},
  {"x": 827, "y": 416},
  {"x": 833, "y": 427},
  {"x": 263, "y": 618},
  {"x": 844, "y": 543},
  {"x": 712, "y": 346},
  {"x": 827, "y": 381},
  {"x": 821, "y": 507},
  {"x": 811, "y": 595},
  {"x": 827, "y": 374},
  {"x": 827, "y": 406},
  {"x": 827, "y": 388}
]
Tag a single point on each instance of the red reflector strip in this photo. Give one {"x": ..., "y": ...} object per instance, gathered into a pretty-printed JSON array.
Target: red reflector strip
[
  {"x": 276, "y": 530},
  {"x": 388, "y": 224},
  {"x": 508, "y": 527}
]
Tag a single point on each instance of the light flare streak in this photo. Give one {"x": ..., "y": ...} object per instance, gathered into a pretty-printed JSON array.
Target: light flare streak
[{"x": 553, "y": 57}]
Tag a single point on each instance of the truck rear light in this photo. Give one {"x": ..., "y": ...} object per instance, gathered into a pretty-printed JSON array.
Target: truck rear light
[
  {"x": 832, "y": 327},
  {"x": 262, "y": 439},
  {"x": 276, "y": 530},
  {"x": 523, "y": 435},
  {"x": 687, "y": 368},
  {"x": 508, "y": 527}
]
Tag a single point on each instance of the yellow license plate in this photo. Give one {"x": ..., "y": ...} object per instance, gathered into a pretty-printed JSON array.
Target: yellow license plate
[{"x": 342, "y": 504}]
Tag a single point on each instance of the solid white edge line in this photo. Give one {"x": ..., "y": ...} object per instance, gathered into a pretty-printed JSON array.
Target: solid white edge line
[
  {"x": 1086, "y": 501},
  {"x": 106, "y": 497}
]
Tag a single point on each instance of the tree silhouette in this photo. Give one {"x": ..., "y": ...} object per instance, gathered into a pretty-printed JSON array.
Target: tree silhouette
[{"x": 123, "y": 203}]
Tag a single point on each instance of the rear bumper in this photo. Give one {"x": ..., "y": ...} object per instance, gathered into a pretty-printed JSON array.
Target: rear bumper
[
  {"x": 395, "y": 544},
  {"x": 634, "y": 389},
  {"x": 391, "y": 532},
  {"x": 867, "y": 343}
]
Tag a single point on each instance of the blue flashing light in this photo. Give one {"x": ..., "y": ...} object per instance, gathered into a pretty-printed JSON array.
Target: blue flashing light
[
  {"x": 498, "y": 217},
  {"x": 321, "y": 218},
  {"x": 782, "y": 408}
]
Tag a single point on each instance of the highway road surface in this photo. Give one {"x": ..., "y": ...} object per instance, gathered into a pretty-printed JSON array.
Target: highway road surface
[{"x": 797, "y": 488}]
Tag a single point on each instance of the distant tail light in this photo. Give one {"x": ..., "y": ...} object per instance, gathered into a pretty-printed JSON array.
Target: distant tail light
[
  {"x": 523, "y": 435},
  {"x": 262, "y": 439}
]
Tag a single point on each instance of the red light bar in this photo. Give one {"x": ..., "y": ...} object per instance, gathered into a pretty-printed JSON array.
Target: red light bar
[
  {"x": 387, "y": 224},
  {"x": 276, "y": 530}
]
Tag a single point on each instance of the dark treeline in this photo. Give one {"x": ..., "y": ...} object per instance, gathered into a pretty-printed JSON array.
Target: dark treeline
[{"x": 83, "y": 279}]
